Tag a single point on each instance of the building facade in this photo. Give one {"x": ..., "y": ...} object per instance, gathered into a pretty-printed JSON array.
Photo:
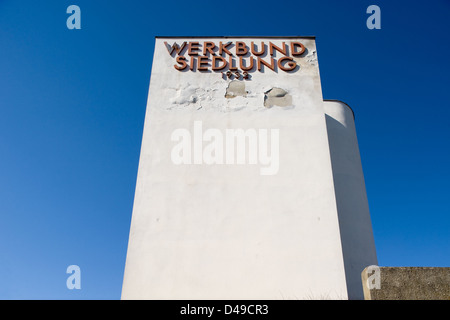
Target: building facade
[{"x": 249, "y": 185}]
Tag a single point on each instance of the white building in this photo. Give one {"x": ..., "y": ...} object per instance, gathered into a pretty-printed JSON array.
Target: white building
[{"x": 250, "y": 185}]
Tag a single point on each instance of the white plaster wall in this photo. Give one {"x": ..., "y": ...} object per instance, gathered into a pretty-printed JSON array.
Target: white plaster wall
[
  {"x": 353, "y": 209},
  {"x": 225, "y": 231}
]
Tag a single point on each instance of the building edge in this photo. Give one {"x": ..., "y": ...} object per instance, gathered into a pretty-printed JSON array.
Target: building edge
[{"x": 358, "y": 245}]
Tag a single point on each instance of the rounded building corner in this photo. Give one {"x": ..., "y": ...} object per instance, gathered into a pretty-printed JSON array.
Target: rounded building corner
[{"x": 342, "y": 102}]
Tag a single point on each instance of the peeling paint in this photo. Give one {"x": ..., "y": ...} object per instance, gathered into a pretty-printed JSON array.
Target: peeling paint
[
  {"x": 236, "y": 97},
  {"x": 277, "y": 97},
  {"x": 311, "y": 58},
  {"x": 235, "y": 88}
]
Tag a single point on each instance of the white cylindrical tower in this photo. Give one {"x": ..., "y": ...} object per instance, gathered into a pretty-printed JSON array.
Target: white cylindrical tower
[{"x": 355, "y": 225}]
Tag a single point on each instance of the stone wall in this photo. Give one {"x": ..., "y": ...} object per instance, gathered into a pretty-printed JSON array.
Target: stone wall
[{"x": 406, "y": 283}]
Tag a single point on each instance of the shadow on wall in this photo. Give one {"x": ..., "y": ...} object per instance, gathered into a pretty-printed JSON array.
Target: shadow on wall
[{"x": 351, "y": 200}]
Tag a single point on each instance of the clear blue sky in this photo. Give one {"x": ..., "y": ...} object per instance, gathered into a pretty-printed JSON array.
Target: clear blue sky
[{"x": 72, "y": 106}]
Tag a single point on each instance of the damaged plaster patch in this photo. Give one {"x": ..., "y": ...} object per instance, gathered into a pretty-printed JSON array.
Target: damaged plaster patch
[
  {"x": 223, "y": 96},
  {"x": 235, "y": 88},
  {"x": 184, "y": 95},
  {"x": 188, "y": 95},
  {"x": 311, "y": 58},
  {"x": 277, "y": 97}
]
